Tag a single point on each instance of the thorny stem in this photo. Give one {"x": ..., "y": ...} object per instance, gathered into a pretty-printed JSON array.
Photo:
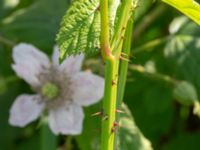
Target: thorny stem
[
  {"x": 111, "y": 71},
  {"x": 126, "y": 9},
  {"x": 104, "y": 39},
  {"x": 109, "y": 104},
  {"x": 124, "y": 64},
  {"x": 111, "y": 54},
  {"x": 123, "y": 71}
]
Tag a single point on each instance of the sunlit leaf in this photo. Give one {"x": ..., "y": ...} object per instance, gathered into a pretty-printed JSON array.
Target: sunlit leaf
[
  {"x": 80, "y": 27},
  {"x": 189, "y": 7}
]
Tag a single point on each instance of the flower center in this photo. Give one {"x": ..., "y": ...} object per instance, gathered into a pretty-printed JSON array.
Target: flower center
[{"x": 50, "y": 90}]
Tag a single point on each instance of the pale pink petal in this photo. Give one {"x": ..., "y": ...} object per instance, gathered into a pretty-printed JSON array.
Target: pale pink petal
[
  {"x": 27, "y": 74},
  {"x": 87, "y": 88},
  {"x": 29, "y": 62},
  {"x": 55, "y": 56},
  {"x": 72, "y": 64},
  {"x": 25, "y": 109},
  {"x": 67, "y": 120}
]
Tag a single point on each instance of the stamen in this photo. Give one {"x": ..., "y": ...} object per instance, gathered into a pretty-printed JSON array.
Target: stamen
[{"x": 50, "y": 90}]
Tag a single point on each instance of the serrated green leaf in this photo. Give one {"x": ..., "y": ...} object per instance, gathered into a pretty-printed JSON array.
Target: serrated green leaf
[
  {"x": 188, "y": 7},
  {"x": 80, "y": 28},
  {"x": 130, "y": 135}
]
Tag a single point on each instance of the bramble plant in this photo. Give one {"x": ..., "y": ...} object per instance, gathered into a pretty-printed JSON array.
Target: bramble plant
[
  {"x": 104, "y": 28},
  {"x": 80, "y": 33}
]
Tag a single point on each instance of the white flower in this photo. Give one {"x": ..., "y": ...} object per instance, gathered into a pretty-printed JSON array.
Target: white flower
[{"x": 61, "y": 90}]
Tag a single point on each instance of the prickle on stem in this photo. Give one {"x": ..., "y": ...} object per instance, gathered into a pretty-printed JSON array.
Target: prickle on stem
[
  {"x": 105, "y": 117},
  {"x": 114, "y": 82},
  {"x": 119, "y": 111},
  {"x": 100, "y": 113},
  {"x": 114, "y": 127}
]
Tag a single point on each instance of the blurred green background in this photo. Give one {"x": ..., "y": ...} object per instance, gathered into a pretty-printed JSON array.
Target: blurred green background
[{"x": 165, "y": 52}]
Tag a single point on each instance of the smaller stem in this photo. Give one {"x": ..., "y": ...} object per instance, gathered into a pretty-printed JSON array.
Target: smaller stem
[
  {"x": 68, "y": 143},
  {"x": 123, "y": 71},
  {"x": 124, "y": 64},
  {"x": 126, "y": 8},
  {"x": 157, "y": 76},
  {"x": 48, "y": 139},
  {"x": 7, "y": 42},
  {"x": 150, "y": 44}
]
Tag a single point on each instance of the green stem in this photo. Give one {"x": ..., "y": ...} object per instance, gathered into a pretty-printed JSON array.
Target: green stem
[
  {"x": 125, "y": 14},
  {"x": 112, "y": 68},
  {"x": 123, "y": 70},
  {"x": 68, "y": 143},
  {"x": 109, "y": 104},
  {"x": 104, "y": 39},
  {"x": 48, "y": 140},
  {"x": 111, "y": 71},
  {"x": 124, "y": 64},
  {"x": 7, "y": 42},
  {"x": 150, "y": 45},
  {"x": 153, "y": 75}
]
